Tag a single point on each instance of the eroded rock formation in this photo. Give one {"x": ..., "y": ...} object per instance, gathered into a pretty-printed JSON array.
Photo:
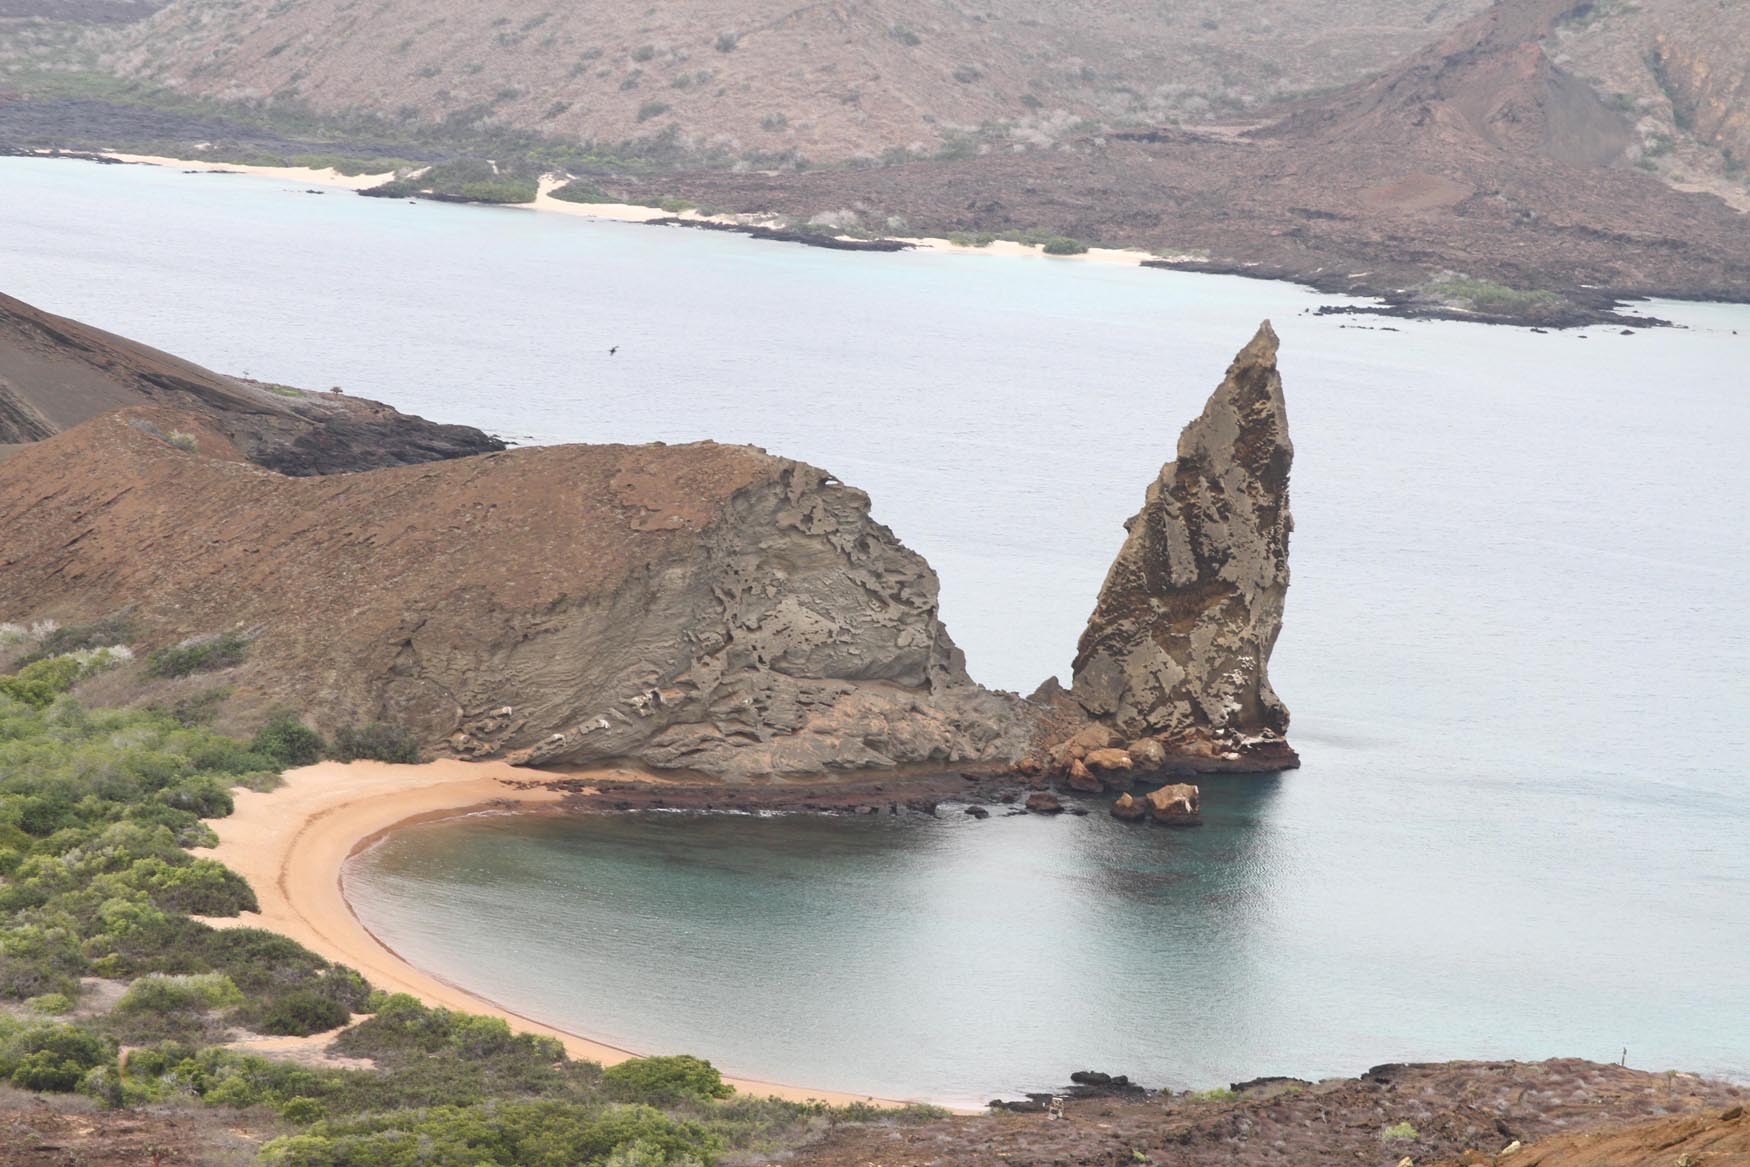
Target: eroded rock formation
[
  {"x": 1173, "y": 664},
  {"x": 704, "y": 608}
]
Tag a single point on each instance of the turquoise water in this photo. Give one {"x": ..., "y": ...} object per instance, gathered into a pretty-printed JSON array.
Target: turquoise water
[{"x": 1516, "y": 649}]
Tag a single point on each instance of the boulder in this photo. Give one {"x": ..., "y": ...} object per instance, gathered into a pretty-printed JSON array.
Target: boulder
[
  {"x": 1082, "y": 743},
  {"x": 1129, "y": 809},
  {"x": 1109, "y": 762},
  {"x": 1175, "y": 805},
  {"x": 1044, "y": 802},
  {"x": 977, "y": 812},
  {"x": 1081, "y": 778},
  {"x": 1147, "y": 754}
]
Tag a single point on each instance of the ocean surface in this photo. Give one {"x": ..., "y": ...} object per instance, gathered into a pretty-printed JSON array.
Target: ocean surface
[{"x": 1517, "y": 645}]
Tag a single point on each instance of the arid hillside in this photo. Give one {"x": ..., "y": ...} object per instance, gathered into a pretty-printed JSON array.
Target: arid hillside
[
  {"x": 1680, "y": 70},
  {"x": 704, "y": 607},
  {"x": 827, "y": 81}
]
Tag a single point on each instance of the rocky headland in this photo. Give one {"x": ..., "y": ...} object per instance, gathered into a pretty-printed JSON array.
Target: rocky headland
[{"x": 701, "y": 610}]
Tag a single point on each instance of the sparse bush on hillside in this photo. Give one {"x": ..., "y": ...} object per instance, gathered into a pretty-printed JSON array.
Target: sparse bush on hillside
[
  {"x": 289, "y": 742},
  {"x": 38, "y": 684},
  {"x": 580, "y": 190},
  {"x": 201, "y": 654},
  {"x": 651, "y": 109},
  {"x": 107, "y": 632},
  {"x": 376, "y": 742},
  {"x": 672, "y": 1079}
]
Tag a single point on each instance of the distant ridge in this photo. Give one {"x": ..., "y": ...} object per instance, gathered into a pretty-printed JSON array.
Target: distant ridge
[{"x": 56, "y": 373}]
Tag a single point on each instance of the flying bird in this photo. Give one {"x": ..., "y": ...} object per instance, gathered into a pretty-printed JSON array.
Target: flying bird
[{"x": 613, "y": 350}]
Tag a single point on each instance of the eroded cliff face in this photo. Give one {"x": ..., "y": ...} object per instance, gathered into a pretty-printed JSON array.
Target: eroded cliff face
[
  {"x": 704, "y": 608},
  {"x": 1178, "y": 648}
]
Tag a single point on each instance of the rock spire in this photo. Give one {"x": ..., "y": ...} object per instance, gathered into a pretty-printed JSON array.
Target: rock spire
[{"x": 1179, "y": 644}]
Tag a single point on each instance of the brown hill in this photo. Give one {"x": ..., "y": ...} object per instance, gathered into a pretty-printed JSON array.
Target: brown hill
[
  {"x": 703, "y": 607},
  {"x": 830, "y": 80},
  {"x": 1478, "y": 176},
  {"x": 56, "y": 373}
]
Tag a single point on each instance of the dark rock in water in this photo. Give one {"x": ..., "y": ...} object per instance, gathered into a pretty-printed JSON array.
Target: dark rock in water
[
  {"x": 1093, "y": 1084},
  {"x": 1044, "y": 802},
  {"x": 1180, "y": 639},
  {"x": 1129, "y": 809},
  {"x": 1034, "y": 1104},
  {"x": 1265, "y": 1083},
  {"x": 977, "y": 812}
]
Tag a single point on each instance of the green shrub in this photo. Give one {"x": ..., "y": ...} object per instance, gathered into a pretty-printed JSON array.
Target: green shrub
[
  {"x": 667, "y": 1079},
  {"x": 652, "y": 109},
  {"x": 580, "y": 191},
  {"x": 38, "y": 684},
  {"x": 1062, "y": 246},
  {"x": 50, "y": 1003},
  {"x": 289, "y": 742},
  {"x": 51, "y": 1057},
  {"x": 197, "y": 993},
  {"x": 1401, "y": 1132},
  {"x": 201, "y": 654},
  {"x": 303, "y": 1012},
  {"x": 376, "y": 742}
]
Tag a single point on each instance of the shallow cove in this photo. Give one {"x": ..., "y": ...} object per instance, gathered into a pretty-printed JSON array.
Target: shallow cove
[{"x": 953, "y": 959}]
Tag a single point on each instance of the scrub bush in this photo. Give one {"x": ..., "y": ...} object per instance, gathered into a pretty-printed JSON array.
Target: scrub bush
[
  {"x": 667, "y": 1079},
  {"x": 376, "y": 742}
]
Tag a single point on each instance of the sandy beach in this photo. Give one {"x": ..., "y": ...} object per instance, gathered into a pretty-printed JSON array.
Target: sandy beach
[
  {"x": 631, "y": 212},
  {"x": 290, "y": 844}
]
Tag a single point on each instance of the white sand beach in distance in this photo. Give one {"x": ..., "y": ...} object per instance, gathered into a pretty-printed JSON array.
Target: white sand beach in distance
[
  {"x": 632, "y": 212},
  {"x": 290, "y": 844}
]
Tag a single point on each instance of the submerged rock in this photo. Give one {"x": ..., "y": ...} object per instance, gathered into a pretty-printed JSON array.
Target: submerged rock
[{"x": 1179, "y": 642}]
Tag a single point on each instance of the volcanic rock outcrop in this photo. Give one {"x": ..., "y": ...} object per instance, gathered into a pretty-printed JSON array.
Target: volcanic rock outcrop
[
  {"x": 1174, "y": 660},
  {"x": 56, "y": 373},
  {"x": 703, "y": 608}
]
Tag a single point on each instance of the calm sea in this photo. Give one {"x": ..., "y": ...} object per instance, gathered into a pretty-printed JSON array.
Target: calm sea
[{"x": 1517, "y": 645}]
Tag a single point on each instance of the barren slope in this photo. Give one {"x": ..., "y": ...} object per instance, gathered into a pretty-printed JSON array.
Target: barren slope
[
  {"x": 699, "y": 607},
  {"x": 827, "y": 79}
]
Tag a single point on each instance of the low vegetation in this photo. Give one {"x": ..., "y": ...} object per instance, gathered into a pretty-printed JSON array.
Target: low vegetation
[
  {"x": 99, "y": 810},
  {"x": 1485, "y": 296},
  {"x": 202, "y": 654},
  {"x": 463, "y": 181}
]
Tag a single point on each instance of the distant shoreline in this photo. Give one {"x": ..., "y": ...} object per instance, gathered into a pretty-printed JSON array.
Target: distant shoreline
[
  {"x": 616, "y": 212},
  {"x": 291, "y": 843},
  {"x": 1586, "y": 307}
]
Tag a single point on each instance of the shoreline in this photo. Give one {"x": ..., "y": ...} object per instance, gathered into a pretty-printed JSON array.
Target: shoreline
[
  {"x": 290, "y": 845},
  {"x": 544, "y": 202}
]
